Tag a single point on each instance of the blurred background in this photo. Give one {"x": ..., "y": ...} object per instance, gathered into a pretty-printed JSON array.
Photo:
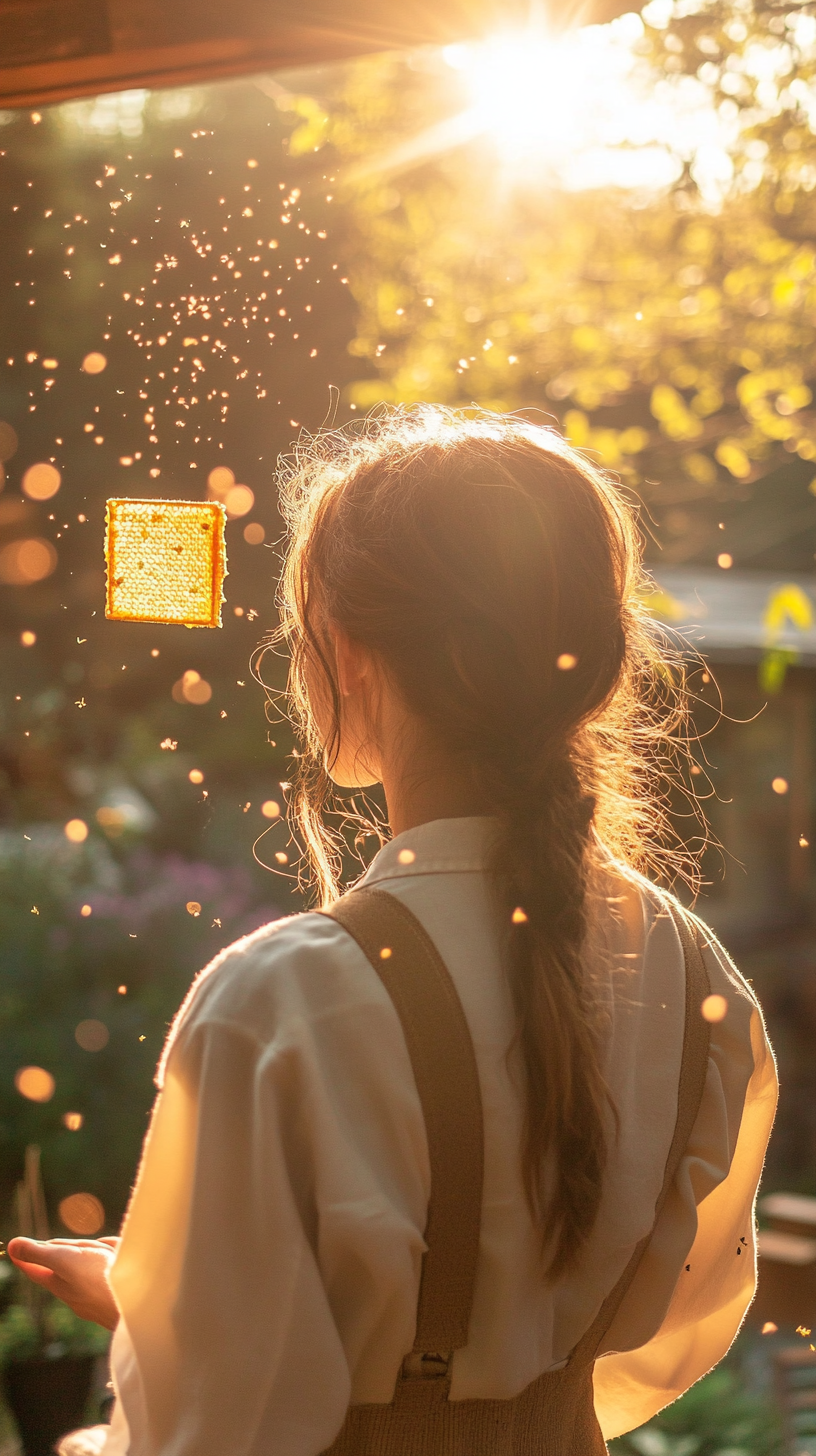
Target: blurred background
[{"x": 613, "y": 231}]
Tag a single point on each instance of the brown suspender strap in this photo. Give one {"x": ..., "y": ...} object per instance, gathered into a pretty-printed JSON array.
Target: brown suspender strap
[
  {"x": 693, "y": 1069},
  {"x": 444, "y": 1064}
]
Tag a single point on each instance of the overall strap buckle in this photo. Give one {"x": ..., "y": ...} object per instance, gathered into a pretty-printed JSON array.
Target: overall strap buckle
[{"x": 418, "y": 1366}]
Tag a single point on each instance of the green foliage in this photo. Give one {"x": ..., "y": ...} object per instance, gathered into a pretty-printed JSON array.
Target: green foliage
[
  {"x": 672, "y": 332},
  {"x": 59, "y": 1332},
  {"x": 60, "y": 968},
  {"x": 787, "y": 606},
  {"x": 719, "y": 1416},
  {"x": 773, "y": 668},
  {"x": 310, "y": 134}
]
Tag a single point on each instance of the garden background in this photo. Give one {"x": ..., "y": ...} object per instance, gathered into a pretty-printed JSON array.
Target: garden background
[{"x": 615, "y": 233}]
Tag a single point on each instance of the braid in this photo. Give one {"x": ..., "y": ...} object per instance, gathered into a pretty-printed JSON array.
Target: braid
[{"x": 541, "y": 865}]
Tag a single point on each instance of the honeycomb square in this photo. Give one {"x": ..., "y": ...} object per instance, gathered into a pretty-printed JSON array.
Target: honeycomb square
[{"x": 166, "y": 561}]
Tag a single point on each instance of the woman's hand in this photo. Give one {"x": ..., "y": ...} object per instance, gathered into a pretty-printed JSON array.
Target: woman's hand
[{"x": 75, "y": 1270}]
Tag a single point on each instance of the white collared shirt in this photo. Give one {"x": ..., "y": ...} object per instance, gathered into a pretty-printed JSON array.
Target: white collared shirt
[{"x": 269, "y": 1266}]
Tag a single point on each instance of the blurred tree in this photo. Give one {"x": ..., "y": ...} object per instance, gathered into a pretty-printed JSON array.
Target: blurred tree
[{"x": 671, "y": 329}]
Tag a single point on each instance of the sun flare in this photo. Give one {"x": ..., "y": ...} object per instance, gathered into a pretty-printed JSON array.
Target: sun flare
[
  {"x": 582, "y": 107},
  {"x": 578, "y": 109}
]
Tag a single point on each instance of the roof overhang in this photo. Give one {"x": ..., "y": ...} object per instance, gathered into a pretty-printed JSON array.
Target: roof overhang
[{"x": 53, "y": 50}]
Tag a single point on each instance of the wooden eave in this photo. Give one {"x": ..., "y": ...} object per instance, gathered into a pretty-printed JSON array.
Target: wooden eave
[{"x": 53, "y": 50}]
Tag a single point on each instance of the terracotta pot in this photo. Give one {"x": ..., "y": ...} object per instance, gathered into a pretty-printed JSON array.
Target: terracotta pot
[{"x": 47, "y": 1398}]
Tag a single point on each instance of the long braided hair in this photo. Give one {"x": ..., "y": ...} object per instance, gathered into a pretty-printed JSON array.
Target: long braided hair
[{"x": 496, "y": 573}]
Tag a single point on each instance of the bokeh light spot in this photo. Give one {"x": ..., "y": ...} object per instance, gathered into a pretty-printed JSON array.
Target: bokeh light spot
[
  {"x": 195, "y": 776},
  {"x": 35, "y": 1083},
  {"x": 779, "y": 785},
  {"x": 714, "y": 1008},
  {"x": 24, "y": 562},
  {"x": 92, "y": 1035},
  {"x": 28, "y": 638},
  {"x": 254, "y": 533},
  {"x": 72, "y": 1120},
  {"x": 76, "y": 830},
  {"x": 110, "y": 819},
  {"x": 82, "y": 1213},
  {"x": 94, "y": 363},
  {"x": 220, "y": 482},
  {"x": 193, "y": 907},
  {"x": 270, "y": 809},
  {"x": 191, "y": 687},
  {"x": 41, "y": 481},
  {"x": 239, "y": 501},
  {"x": 8, "y": 440}
]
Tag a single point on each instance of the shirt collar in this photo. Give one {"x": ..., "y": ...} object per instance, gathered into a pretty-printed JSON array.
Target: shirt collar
[{"x": 443, "y": 846}]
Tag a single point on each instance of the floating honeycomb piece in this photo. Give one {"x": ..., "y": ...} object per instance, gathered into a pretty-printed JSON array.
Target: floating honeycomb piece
[{"x": 166, "y": 561}]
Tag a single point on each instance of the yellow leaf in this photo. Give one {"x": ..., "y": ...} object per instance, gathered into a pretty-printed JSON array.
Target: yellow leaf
[
  {"x": 676, "y": 419},
  {"x": 801, "y": 266},
  {"x": 731, "y": 454},
  {"x": 311, "y": 134},
  {"x": 587, "y": 339},
  {"x": 787, "y": 605},
  {"x": 576, "y": 428},
  {"x": 707, "y": 402},
  {"x": 685, "y": 375},
  {"x": 774, "y": 427},
  {"x": 633, "y": 440},
  {"x": 665, "y": 402},
  {"x": 700, "y": 467},
  {"x": 784, "y": 291},
  {"x": 606, "y": 444}
]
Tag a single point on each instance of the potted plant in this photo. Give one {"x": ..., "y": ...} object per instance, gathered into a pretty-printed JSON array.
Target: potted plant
[{"x": 47, "y": 1353}]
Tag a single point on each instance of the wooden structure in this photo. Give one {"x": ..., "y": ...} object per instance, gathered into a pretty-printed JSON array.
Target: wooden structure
[
  {"x": 795, "y": 1388},
  {"x": 761, "y": 758},
  {"x": 755, "y": 765},
  {"x": 786, "y": 1293},
  {"x": 51, "y": 50}
]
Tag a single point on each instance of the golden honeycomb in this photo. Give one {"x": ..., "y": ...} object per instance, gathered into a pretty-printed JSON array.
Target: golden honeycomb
[{"x": 166, "y": 561}]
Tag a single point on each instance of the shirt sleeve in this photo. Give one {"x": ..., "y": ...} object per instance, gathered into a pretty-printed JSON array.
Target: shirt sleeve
[
  {"x": 700, "y": 1265},
  {"x": 237, "y": 1326},
  {"x": 219, "y": 1287}
]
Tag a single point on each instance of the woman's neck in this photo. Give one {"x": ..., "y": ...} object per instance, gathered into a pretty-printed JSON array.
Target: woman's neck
[{"x": 425, "y": 784}]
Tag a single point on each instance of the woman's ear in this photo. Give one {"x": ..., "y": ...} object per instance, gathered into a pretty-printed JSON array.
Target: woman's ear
[
  {"x": 353, "y": 663},
  {"x": 355, "y": 763}
]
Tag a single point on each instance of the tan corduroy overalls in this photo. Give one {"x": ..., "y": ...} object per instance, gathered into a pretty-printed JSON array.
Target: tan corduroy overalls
[{"x": 555, "y": 1414}]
